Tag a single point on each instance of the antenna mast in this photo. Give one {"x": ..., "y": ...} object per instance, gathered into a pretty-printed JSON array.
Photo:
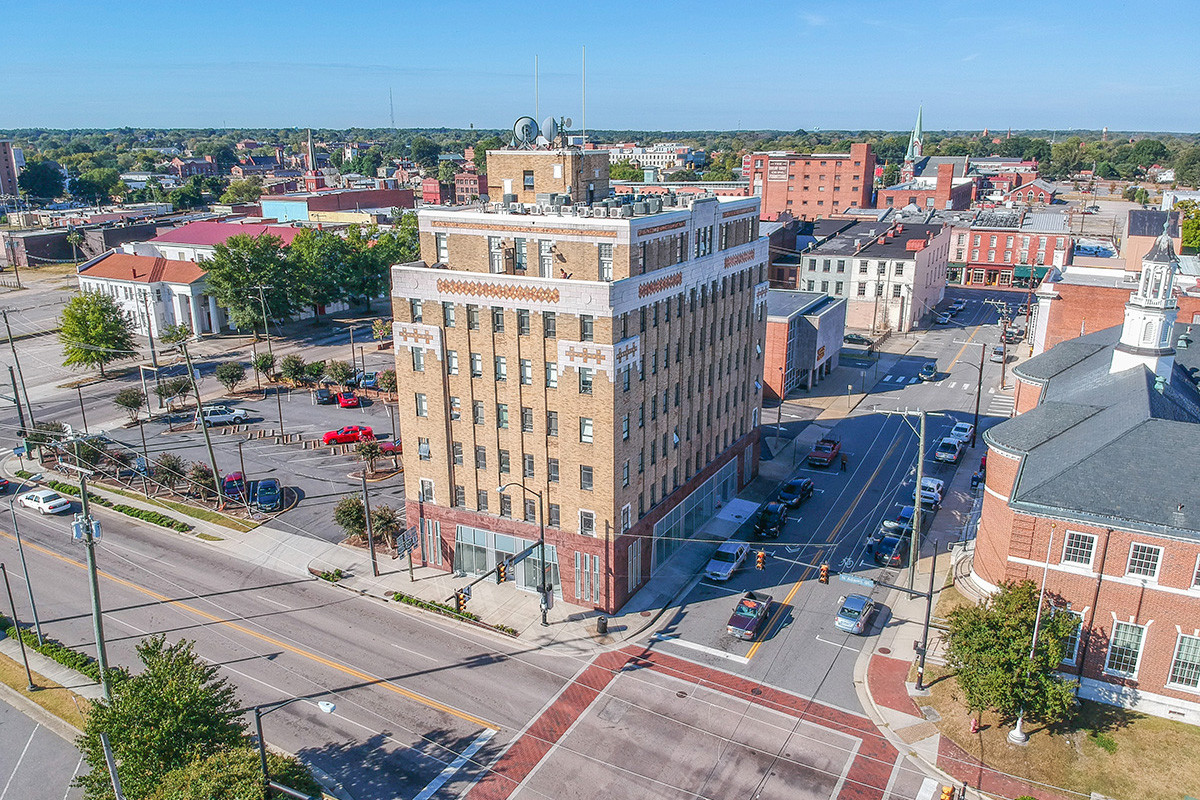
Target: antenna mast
[
  {"x": 583, "y": 100},
  {"x": 536, "y": 110},
  {"x": 391, "y": 107}
]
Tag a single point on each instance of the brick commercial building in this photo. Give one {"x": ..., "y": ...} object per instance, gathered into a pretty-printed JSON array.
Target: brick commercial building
[
  {"x": 301, "y": 207},
  {"x": 1009, "y": 247},
  {"x": 891, "y": 273},
  {"x": 1091, "y": 488},
  {"x": 941, "y": 192},
  {"x": 804, "y": 338},
  {"x": 8, "y": 170},
  {"x": 1142, "y": 229},
  {"x": 813, "y": 185},
  {"x": 607, "y": 358},
  {"x": 514, "y": 177}
]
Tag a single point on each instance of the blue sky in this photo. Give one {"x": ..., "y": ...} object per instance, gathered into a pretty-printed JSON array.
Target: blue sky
[{"x": 652, "y": 65}]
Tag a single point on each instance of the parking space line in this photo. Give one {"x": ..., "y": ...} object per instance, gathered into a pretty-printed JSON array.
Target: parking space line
[
  {"x": 835, "y": 644},
  {"x": 20, "y": 759},
  {"x": 712, "y": 651}
]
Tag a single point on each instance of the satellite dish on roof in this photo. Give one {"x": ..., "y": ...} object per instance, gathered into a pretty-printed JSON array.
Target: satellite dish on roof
[
  {"x": 525, "y": 131},
  {"x": 549, "y": 129},
  {"x": 567, "y": 122}
]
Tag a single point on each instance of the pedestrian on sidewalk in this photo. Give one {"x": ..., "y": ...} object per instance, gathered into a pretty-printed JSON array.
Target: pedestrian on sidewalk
[{"x": 844, "y": 461}]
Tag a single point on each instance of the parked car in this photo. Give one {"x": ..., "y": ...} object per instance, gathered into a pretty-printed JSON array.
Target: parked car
[
  {"x": 347, "y": 400},
  {"x": 749, "y": 615},
  {"x": 348, "y": 434},
  {"x": 942, "y": 319},
  {"x": 726, "y": 560},
  {"x": 930, "y": 502},
  {"x": 928, "y": 371},
  {"x": 855, "y": 614},
  {"x": 324, "y": 397},
  {"x": 936, "y": 485},
  {"x": 948, "y": 450},
  {"x": 45, "y": 501},
  {"x": 824, "y": 452},
  {"x": 234, "y": 485},
  {"x": 796, "y": 491},
  {"x": 857, "y": 338},
  {"x": 957, "y": 306},
  {"x": 891, "y": 551},
  {"x": 770, "y": 520},
  {"x": 223, "y": 415},
  {"x": 963, "y": 431},
  {"x": 3, "y": 485},
  {"x": 391, "y": 447},
  {"x": 999, "y": 354},
  {"x": 268, "y": 495},
  {"x": 367, "y": 380},
  {"x": 1011, "y": 335}
]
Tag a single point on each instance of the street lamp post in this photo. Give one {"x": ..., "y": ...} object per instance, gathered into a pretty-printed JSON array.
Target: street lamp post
[
  {"x": 779, "y": 413},
  {"x": 261, "y": 711},
  {"x": 1017, "y": 735},
  {"x": 37, "y": 625},
  {"x": 543, "y": 588},
  {"x": 17, "y": 624}
]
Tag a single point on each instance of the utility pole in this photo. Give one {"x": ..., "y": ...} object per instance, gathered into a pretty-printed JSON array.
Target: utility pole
[
  {"x": 779, "y": 415},
  {"x": 925, "y": 627},
  {"x": 353, "y": 359},
  {"x": 266, "y": 329},
  {"x": 17, "y": 401},
  {"x": 150, "y": 329},
  {"x": 79, "y": 390},
  {"x": 212, "y": 456},
  {"x": 978, "y": 386},
  {"x": 370, "y": 527},
  {"x": 87, "y": 530},
  {"x": 915, "y": 543},
  {"x": 17, "y": 362},
  {"x": 17, "y": 624},
  {"x": 145, "y": 460}
]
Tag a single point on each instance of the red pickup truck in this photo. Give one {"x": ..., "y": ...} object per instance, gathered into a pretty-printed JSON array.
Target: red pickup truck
[{"x": 824, "y": 452}]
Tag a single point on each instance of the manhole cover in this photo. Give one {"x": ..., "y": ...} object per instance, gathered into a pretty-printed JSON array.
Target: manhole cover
[
  {"x": 756, "y": 691},
  {"x": 884, "y": 650},
  {"x": 645, "y": 613},
  {"x": 681, "y": 694}
]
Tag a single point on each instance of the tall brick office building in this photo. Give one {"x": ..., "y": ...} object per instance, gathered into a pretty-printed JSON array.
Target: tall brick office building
[
  {"x": 809, "y": 186},
  {"x": 605, "y": 356},
  {"x": 1092, "y": 485}
]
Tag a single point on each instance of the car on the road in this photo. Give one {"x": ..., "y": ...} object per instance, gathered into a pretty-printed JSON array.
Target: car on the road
[
  {"x": 824, "y": 452},
  {"x": 948, "y": 450},
  {"x": 347, "y": 400},
  {"x": 891, "y": 551},
  {"x": 796, "y": 491},
  {"x": 957, "y": 306},
  {"x": 770, "y": 520},
  {"x": 1011, "y": 335},
  {"x": 749, "y": 615},
  {"x": 928, "y": 371},
  {"x": 999, "y": 354},
  {"x": 854, "y": 615},
  {"x": 223, "y": 415},
  {"x": 391, "y": 447},
  {"x": 45, "y": 501},
  {"x": 942, "y": 319},
  {"x": 1022, "y": 310},
  {"x": 930, "y": 502},
  {"x": 324, "y": 397},
  {"x": 366, "y": 380},
  {"x": 857, "y": 338},
  {"x": 3, "y": 485},
  {"x": 726, "y": 560},
  {"x": 963, "y": 431},
  {"x": 349, "y": 434},
  {"x": 268, "y": 495},
  {"x": 234, "y": 485}
]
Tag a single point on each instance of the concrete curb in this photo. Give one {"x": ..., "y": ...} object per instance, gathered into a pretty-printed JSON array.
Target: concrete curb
[{"x": 40, "y": 715}]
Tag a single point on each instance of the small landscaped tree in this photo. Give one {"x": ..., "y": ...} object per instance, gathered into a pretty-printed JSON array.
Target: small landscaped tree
[
  {"x": 292, "y": 369},
  {"x": 230, "y": 375},
  {"x": 175, "y": 333},
  {"x": 381, "y": 329},
  {"x": 350, "y": 516},
  {"x": 368, "y": 451},
  {"x": 169, "y": 470},
  {"x": 95, "y": 331},
  {"x": 314, "y": 372},
  {"x": 131, "y": 401},
  {"x": 202, "y": 480},
  {"x": 264, "y": 365},
  {"x": 173, "y": 389},
  {"x": 387, "y": 381},
  {"x": 339, "y": 372},
  {"x": 387, "y": 524},
  {"x": 234, "y": 774}
]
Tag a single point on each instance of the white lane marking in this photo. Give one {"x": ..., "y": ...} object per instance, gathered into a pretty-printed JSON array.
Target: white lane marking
[
  {"x": 992, "y": 390},
  {"x": 966, "y": 387},
  {"x": 67, "y": 793},
  {"x": 928, "y": 789},
  {"x": 721, "y": 587},
  {"x": 887, "y": 377},
  {"x": 454, "y": 766},
  {"x": 887, "y": 791},
  {"x": 835, "y": 644},
  {"x": 852, "y": 756},
  {"x": 659, "y": 637},
  {"x": 952, "y": 384},
  {"x": 17, "y": 766},
  {"x": 915, "y": 380},
  {"x": 272, "y": 602},
  {"x": 413, "y": 652}
]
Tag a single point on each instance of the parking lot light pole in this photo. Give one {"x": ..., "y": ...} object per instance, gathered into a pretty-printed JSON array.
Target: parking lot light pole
[
  {"x": 370, "y": 528},
  {"x": 37, "y": 625},
  {"x": 261, "y": 711},
  {"x": 543, "y": 586},
  {"x": 17, "y": 624},
  {"x": 925, "y": 627}
]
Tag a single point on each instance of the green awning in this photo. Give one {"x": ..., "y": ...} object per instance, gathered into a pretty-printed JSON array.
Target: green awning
[{"x": 1024, "y": 272}]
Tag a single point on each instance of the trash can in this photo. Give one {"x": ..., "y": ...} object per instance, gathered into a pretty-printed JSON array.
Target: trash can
[{"x": 602, "y": 625}]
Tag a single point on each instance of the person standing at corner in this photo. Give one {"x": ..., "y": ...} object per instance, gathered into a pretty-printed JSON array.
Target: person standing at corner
[{"x": 844, "y": 461}]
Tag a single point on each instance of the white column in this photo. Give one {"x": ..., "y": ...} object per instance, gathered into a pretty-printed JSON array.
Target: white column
[
  {"x": 180, "y": 316},
  {"x": 197, "y": 327},
  {"x": 215, "y": 313}
]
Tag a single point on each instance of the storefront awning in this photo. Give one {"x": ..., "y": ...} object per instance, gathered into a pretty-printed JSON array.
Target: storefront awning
[{"x": 1024, "y": 272}]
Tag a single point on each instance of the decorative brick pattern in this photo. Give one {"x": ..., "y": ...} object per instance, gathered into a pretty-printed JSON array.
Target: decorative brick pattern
[
  {"x": 499, "y": 291},
  {"x": 740, "y": 258},
  {"x": 415, "y": 334},
  {"x": 586, "y": 354},
  {"x": 628, "y": 352},
  {"x": 667, "y": 282},
  {"x": 519, "y": 229},
  {"x": 670, "y": 226}
]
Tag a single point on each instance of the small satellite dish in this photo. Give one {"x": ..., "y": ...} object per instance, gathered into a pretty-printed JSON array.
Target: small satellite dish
[
  {"x": 567, "y": 122},
  {"x": 549, "y": 129},
  {"x": 525, "y": 130}
]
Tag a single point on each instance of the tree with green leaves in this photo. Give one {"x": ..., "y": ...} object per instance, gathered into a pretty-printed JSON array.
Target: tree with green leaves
[
  {"x": 481, "y": 148},
  {"x": 169, "y": 470},
  {"x": 174, "y": 334},
  {"x": 176, "y": 710},
  {"x": 171, "y": 389},
  {"x": 244, "y": 191},
  {"x": 264, "y": 365},
  {"x": 381, "y": 329},
  {"x": 387, "y": 523},
  {"x": 623, "y": 170},
  {"x": 95, "y": 185},
  {"x": 41, "y": 179},
  {"x": 365, "y": 272},
  {"x": 234, "y": 773},
  {"x": 131, "y": 400},
  {"x": 339, "y": 372},
  {"x": 682, "y": 176},
  {"x": 446, "y": 171},
  {"x": 317, "y": 258},
  {"x": 95, "y": 331},
  {"x": 891, "y": 174},
  {"x": 989, "y": 645},
  {"x": 314, "y": 372},
  {"x": 387, "y": 381},
  {"x": 350, "y": 516},
  {"x": 202, "y": 480},
  {"x": 75, "y": 239},
  {"x": 1189, "y": 225},
  {"x": 424, "y": 151},
  {"x": 1187, "y": 167},
  {"x": 230, "y": 375},
  {"x": 368, "y": 451},
  {"x": 239, "y": 266},
  {"x": 291, "y": 369}
]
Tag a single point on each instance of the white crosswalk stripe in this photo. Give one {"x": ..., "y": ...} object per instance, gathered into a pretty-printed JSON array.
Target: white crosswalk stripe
[
  {"x": 888, "y": 377},
  {"x": 953, "y": 384},
  {"x": 915, "y": 380},
  {"x": 1001, "y": 406},
  {"x": 966, "y": 387}
]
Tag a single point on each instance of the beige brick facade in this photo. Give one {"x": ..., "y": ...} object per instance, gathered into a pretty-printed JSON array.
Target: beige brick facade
[{"x": 583, "y": 174}]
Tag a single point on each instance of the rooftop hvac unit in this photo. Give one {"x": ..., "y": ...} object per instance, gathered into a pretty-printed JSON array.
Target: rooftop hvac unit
[
  {"x": 600, "y": 211},
  {"x": 655, "y": 205},
  {"x": 626, "y": 211},
  {"x": 640, "y": 208},
  {"x": 510, "y": 198}
]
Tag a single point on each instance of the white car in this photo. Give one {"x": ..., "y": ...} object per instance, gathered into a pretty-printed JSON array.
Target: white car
[
  {"x": 46, "y": 501},
  {"x": 963, "y": 431},
  {"x": 223, "y": 415},
  {"x": 935, "y": 485},
  {"x": 729, "y": 557},
  {"x": 948, "y": 450}
]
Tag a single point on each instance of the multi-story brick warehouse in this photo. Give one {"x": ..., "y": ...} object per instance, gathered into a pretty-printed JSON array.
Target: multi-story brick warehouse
[
  {"x": 814, "y": 185},
  {"x": 607, "y": 359},
  {"x": 1091, "y": 488}
]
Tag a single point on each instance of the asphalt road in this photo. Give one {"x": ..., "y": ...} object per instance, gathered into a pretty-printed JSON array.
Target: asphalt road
[
  {"x": 35, "y": 762},
  {"x": 801, "y": 650}
]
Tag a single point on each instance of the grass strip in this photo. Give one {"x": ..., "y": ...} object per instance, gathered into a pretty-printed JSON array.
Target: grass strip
[{"x": 55, "y": 698}]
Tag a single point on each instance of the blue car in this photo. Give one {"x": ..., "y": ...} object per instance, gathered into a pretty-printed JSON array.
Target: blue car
[{"x": 268, "y": 495}]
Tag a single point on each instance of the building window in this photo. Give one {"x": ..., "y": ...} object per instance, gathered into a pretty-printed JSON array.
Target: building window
[
  {"x": 415, "y": 308},
  {"x": 528, "y": 179},
  {"x": 452, "y": 362},
  {"x": 522, "y": 322},
  {"x": 1079, "y": 548},
  {"x": 497, "y": 319},
  {"x": 1143, "y": 561},
  {"x": 587, "y": 523},
  {"x": 528, "y": 472},
  {"x": 585, "y": 380},
  {"x": 625, "y": 474},
  {"x": 862, "y": 290},
  {"x": 457, "y": 450},
  {"x": 545, "y": 258},
  {"x": 552, "y": 423},
  {"x": 480, "y": 457},
  {"x": 476, "y": 365},
  {"x": 501, "y": 366},
  {"x": 552, "y": 470},
  {"x": 551, "y": 375},
  {"x": 526, "y": 372},
  {"x": 585, "y": 430},
  {"x": 448, "y": 315},
  {"x": 519, "y": 254},
  {"x": 473, "y": 317},
  {"x": 526, "y": 419},
  {"x": 553, "y": 515},
  {"x": 625, "y": 427},
  {"x": 1071, "y": 645},
  {"x": 585, "y": 478},
  {"x": 426, "y": 494},
  {"x": 418, "y": 359},
  {"x": 460, "y": 496},
  {"x": 549, "y": 324},
  {"x": 501, "y": 415},
  {"x": 896, "y": 290},
  {"x": 422, "y": 406},
  {"x": 531, "y": 510},
  {"x": 505, "y": 462},
  {"x": 477, "y": 412},
  {"x": 505, "y": 506},
  {"x": 443, "y": 250},
  {"x": 838, "y": 287},
  {"x": 586, "y": 328},
  {"x": 1185, "y": 667},
  {"x": 423, "y": 448},
  {"x": 495, "y": 254},
  {"x": 606, "y": 262},
  {"x": 1124, "y": 649}
]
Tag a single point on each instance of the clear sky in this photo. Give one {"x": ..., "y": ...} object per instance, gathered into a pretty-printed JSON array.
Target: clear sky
[{"x": 669, "y": 65}]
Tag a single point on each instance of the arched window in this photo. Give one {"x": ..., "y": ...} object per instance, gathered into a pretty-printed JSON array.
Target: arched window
[{"x": 1148, "y": 333}]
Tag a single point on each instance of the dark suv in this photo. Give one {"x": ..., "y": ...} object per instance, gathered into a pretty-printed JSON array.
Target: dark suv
[{"x": 770, "y": 520}]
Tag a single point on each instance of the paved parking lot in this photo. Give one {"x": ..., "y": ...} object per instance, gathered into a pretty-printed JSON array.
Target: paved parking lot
[{"x": 35, "y": 763}]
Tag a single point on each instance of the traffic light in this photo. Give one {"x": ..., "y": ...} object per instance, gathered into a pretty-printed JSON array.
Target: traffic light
[
  {"x": 460, "y": 601},
  {"x": 948, "y": 793},
  {"x": 760, "y": 560},
  {"x": 502, "y": 572},
  {"x": 824, "y": 577}
]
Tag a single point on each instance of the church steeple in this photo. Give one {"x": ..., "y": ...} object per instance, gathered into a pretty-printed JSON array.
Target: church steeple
[
  {"x": 916, "y": 143},
  {"x": 1150, "y": 313}
]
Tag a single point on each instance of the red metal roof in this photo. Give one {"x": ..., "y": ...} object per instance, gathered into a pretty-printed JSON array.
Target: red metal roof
[
  {"x": 211, "y": 233},
  {"x": 144, "y": 269}
]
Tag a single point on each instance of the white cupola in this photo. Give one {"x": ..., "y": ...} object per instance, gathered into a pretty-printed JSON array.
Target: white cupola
[{"x": 1150, "y": 314}]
